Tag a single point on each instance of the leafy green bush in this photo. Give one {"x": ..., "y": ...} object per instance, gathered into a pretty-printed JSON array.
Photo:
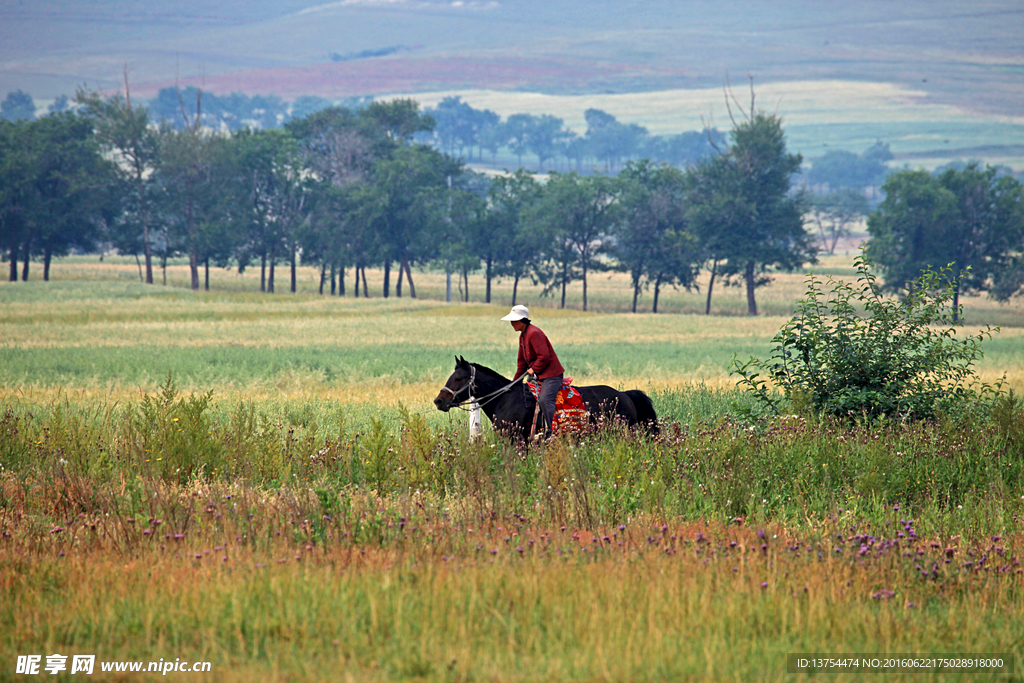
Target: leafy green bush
[{"x": 850, "y": 352}]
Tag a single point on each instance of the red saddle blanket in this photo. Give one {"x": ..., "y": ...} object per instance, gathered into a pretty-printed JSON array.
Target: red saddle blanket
[{"x": 570, "y": 411}]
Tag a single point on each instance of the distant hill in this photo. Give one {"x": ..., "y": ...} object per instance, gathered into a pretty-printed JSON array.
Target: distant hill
[{"x": 966, "y": 56}]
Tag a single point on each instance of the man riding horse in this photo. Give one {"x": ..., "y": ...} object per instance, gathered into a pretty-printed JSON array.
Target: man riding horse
[{"x": 537, "y": 359}]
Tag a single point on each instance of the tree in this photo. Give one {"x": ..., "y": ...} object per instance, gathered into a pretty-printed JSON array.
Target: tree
[
  {"x": 972, "y": 219},
  {"x": 575, "y": 215},
  {"x": 405, "y": 203},
  {"x": 455, "y": 125},
  {"x": 17, "y": 175},
  {"x": 339, "y": 145},
  {"x": 517, "y": 249},
  {"x": 59, "y": 104},
  {"x": 465, "y": 235},
  {"x": 485, "y": 131},
  {"x": 123, "y": 131},
  {"x": 190, "y": 186},
  {"x": 484, "y": 237},
  {"x": 70, "y": 202},
  {"x": 834, "y": 213},
  {"x": 490, "y": 136},
  {"x": 18, "y": 105},
  {"x": 399, "y": 119},
  {"x": 744, "y": 211},
  {"x": 517, "y": 129},
  {"x": 610, "y": 140},
  {"x": 839, "y": 169},
  {"x": 653, "y": 239},
  {"x": 53, "y": 189},
  {"x": 272, "y": 198},
  {"x": 545, "y": 137}
]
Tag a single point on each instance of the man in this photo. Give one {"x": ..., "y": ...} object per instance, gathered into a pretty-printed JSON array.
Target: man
[{"x": 538, "y": 359}]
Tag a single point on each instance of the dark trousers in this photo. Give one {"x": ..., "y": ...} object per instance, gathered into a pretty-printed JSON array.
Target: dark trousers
[{"x": 548, "y": 391}]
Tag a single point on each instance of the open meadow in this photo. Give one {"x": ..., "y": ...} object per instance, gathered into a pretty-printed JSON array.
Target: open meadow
[{"x": 260, "y": 481}]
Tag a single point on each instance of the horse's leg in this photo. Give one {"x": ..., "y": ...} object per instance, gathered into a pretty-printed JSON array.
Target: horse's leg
[
  {"x": 604, "y": 400},
  {"x": 625, "y": 409}
]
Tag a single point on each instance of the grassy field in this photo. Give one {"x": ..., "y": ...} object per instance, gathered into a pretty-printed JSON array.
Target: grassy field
[{"x": 314, "y": 517}]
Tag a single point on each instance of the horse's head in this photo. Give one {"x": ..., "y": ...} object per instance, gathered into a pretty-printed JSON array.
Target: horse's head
[{"x": 459, "y": 386}]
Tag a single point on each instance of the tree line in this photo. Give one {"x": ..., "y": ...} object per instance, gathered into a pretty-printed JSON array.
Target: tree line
[
  {"x": 344, "y": 189},
  {"x": 460, "y": 130}
]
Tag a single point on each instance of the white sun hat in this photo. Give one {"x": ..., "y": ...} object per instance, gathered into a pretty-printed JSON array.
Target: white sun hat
[{"x": 518, "y": 312}]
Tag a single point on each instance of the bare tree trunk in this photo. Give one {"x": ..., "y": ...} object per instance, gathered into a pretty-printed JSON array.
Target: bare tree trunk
[
  {"x": 149, "y": 256},
  {"x": 294, "y": 266},
  {"x": 47, "y": 256},
  {"x": 584, "y": 284},
  {"x": 193, "y": 248},
  {"x": 366, "y": 291},
  {"x": 515, "y": 288},
  {"x": 193, "y": 267},
  {"x": 751, "y": 301},
  {"x": 323, "y": 277},
  {"x": 401, "y": 276},
  {"x": 263, "y": 271},
  {"x": 139, "y": 264},
  {"x": 341, "y": 281},
  {"x": 490, "y": 262},
  {"x": 565, "y": 278},
  {"x": 140, "y": 188},
  {"x": 144, "y": 211},
  {"x": 821, "y": 231},
  {"x": 711, "y": 286},
  {"x": 956, "y": 301},
  {"x": 636, "y": 275},
  {"x": 28, "y": 258},
  {"x": 408, "y": 275},
  {"x": 13, "y": 257},
  {"x": 270, "y": 277},
  {"x": 206, "y": 267},
  {"x": 387, "y": 277},
  {"x": 657, "y": 293}
]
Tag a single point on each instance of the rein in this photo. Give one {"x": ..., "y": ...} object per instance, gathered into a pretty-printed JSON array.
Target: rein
[{"x": 483, "y": 400}]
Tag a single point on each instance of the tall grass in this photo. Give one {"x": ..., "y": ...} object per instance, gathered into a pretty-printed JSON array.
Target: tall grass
[
  {"x": 712, "y": 466},
  {"x": 306, "y": 586},
  {"x": 261, "y": 482}
]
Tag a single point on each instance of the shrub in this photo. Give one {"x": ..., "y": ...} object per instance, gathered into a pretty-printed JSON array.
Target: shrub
[
  {"x": 850, "y": 352},
  {"x": 174, "y": 435}
]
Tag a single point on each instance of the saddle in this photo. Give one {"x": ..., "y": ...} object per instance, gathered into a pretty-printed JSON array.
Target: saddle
[{"x": 570, "y": 410}]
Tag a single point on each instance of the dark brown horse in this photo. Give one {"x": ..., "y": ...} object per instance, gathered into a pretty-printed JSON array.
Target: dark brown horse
[{"x": 510, "y": 406}]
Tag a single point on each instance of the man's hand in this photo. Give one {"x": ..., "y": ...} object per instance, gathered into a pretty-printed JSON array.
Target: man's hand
[{"x": 531, "y": 373}]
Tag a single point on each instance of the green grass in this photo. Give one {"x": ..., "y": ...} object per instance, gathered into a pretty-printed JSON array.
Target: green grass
[{"x": 314, "y": 517}]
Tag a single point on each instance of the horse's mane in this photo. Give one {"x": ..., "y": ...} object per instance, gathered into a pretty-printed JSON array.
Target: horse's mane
[{"x": 494, "y": 373}]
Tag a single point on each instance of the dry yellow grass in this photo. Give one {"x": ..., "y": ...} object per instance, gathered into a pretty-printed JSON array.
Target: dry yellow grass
[{"x": 681, "y": 348}]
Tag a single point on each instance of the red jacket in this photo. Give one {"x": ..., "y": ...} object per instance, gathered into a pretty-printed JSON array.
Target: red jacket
[{"x": 535, "y": 352}]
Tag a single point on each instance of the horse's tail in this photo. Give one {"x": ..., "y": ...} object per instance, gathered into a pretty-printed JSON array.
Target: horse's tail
[{"x": 645, "y": 414}]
